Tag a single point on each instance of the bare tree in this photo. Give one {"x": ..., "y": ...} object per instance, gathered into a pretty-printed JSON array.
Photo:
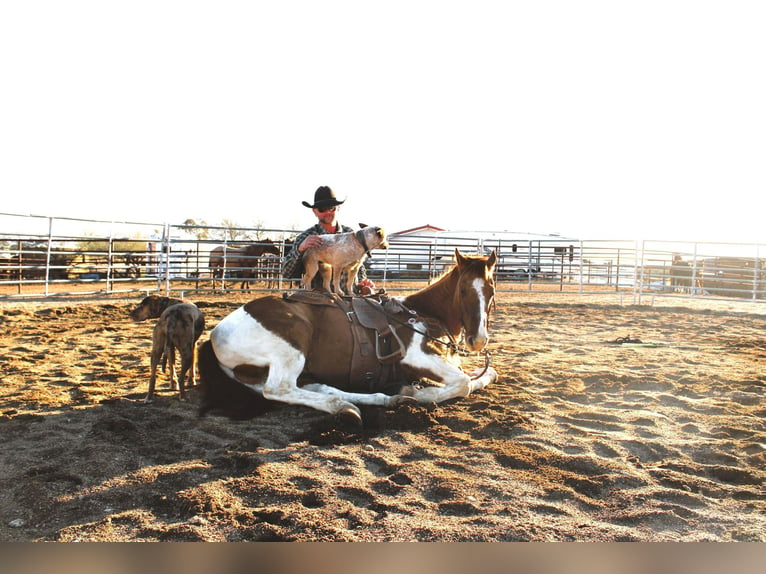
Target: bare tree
[{"x": 199, "y": 230}]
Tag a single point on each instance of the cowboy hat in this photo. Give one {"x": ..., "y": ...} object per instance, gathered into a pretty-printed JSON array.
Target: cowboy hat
[{"x": 323, "y": 197}]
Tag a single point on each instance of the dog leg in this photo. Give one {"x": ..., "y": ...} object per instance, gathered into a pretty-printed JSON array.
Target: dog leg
[
  {"x": 327, "y": 273},
  {"x": 193, "y": 382},
  {"x": 173, "y": 370},
  {"x": 187, "y": 363},
  {"x": 353, "y": 270},
  {"x": 310, "y": 268},
  {"x": 156, "y": 356}
]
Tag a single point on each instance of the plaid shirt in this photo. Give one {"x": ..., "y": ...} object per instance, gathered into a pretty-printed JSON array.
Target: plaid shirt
[{"x": 292, "y": 267}]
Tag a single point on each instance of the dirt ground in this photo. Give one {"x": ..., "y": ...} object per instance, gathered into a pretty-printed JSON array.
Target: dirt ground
[{"x": 580, "y": 439}]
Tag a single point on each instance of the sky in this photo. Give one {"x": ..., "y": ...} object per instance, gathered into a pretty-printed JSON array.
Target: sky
[{"x": 592, "y": 119}]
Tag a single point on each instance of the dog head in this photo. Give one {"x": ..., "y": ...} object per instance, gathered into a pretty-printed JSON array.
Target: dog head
[
  {"x": 152, "y": 307},
  {"x": 374, "y": 237}
]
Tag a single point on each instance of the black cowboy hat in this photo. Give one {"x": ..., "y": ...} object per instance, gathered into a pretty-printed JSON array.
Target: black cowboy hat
[{"x": 323, "y": 197}]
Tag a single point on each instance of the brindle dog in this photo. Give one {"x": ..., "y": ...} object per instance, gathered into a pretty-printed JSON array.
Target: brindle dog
[{"x": 178, "y": 328}]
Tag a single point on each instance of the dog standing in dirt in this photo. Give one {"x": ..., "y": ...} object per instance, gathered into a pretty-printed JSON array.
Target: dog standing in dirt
[
  {"x": 179, "y": 327},
  {"x": 341, "y": 252}
]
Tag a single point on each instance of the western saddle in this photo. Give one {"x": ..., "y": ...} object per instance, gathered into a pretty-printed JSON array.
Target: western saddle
[{"x": 374, "y": 321}]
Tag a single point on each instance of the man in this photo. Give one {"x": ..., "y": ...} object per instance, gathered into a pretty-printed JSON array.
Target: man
[{"x": 325, "y": 208}]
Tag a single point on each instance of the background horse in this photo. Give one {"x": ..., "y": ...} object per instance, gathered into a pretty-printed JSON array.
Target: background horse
[
  {"x": 241, "y": 261},
  {"x": 682, "y": 275},
  {"x": 267, "y": 344}
]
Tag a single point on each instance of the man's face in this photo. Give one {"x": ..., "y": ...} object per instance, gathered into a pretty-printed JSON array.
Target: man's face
[{"x": 326, "y": 215}]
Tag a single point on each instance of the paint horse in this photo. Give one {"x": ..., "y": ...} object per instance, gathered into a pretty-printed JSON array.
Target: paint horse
[
  {"x": 300, "y": 353},
  {"x": 242, "y": 261}
]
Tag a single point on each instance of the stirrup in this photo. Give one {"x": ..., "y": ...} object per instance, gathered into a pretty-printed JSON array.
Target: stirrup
[{"x": 394, "y": 355}]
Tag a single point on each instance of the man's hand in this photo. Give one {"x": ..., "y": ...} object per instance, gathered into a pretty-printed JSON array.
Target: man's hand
[
  {"x": 365, "y": 287},
  {"x": 309, "y": 242}
]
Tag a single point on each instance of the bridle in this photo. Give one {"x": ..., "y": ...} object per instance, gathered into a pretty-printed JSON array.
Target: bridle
[{"x": 452, "y": 345}]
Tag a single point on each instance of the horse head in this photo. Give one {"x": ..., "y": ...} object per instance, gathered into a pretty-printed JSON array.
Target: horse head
[
  {"x": 263, "y": 247},
  {"x": 474, "y": 295},
  {"x": 270, "y": 247}
]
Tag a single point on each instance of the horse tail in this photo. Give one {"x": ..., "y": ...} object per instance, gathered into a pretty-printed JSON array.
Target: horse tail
[{"x": 223, "y": 395}]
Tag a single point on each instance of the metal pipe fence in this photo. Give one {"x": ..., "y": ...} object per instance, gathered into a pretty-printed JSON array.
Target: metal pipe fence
[{"x": 45, "y": 256}]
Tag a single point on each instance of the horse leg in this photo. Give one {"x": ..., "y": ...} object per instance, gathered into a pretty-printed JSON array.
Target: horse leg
[
  {"x": 282, "y": 385},
  {"x": 220, "y": 272},
  {"x": 372, "y": 399},
  {"x": 458, "y": 384},
  {"x": 239, "y": 340},
  {"x": 247, "y": 276},
  {"x": 453, "y": 381}
]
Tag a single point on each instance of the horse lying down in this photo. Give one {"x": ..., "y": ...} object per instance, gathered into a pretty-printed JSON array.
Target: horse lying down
[
  {"x": 179, "y": 327},
  {"x": 341, "y": 252},
  {"x": 294, "y": 351}
]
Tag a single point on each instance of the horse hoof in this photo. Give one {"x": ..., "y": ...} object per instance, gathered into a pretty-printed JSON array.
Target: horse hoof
[
  {"x": 350, "y": 416},
  {"x": 399, "y": 400}
]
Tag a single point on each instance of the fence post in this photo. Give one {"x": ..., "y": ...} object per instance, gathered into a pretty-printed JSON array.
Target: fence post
[
  {"x": 48, "y": 254},
  {"x": 692, "y": 287},
  {"x": 223, "y": 267},
  {"x": 561, "y": 273},
  {"x": 756, "y": 272},
  {"x": 638, "y": 276},
  {"x": 166, "y": 252},
  {"x": 109, "y": 260},
  {"x": 529, "y": 265},
  {"x": 19, "y": 271}
]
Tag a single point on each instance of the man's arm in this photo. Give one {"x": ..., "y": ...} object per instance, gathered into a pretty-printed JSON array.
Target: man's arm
[{"x": 292, "y": 266}]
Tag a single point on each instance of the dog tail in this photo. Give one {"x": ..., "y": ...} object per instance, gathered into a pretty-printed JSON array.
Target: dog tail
[{"x": 223, "y": 395}]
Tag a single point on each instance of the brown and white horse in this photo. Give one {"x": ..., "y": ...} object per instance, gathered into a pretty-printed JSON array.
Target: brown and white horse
[
  {"x": 269, "y": 343},
  {"x": 242, "y": 261}
]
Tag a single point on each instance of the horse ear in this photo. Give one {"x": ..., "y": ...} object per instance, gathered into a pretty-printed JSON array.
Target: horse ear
[
  {"x": 459, "y": 257},
  {"x": 492, "y": 259},
  {"x": 363, "y": 225}
]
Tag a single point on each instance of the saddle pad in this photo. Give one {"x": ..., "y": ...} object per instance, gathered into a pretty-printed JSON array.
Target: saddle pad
[{"x": 312, "y": 298}]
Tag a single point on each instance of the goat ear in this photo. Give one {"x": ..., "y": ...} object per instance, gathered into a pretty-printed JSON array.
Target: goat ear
[{"x": 363, "y": 225}]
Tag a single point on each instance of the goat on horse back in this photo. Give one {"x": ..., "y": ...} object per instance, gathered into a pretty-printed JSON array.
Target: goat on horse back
[
  {"x": 241, "y": 260},
  {"x": 306, "y": 350}
]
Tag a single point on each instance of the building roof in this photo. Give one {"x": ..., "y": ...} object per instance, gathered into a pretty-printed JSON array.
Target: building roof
[{"x": 423, "y": 228}]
